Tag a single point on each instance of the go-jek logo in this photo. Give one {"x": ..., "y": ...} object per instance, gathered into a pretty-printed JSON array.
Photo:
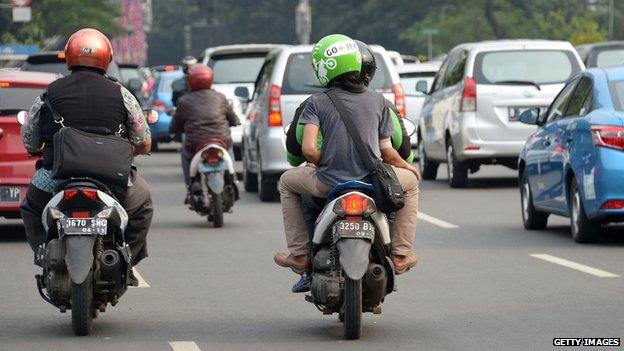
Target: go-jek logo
[{"x": 340, "y": 48}]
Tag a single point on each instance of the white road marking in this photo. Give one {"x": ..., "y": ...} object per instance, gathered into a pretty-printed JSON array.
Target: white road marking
[
  {"x": 142, "y": 282},
  {"x": 184, "y": 346},
  {"x": 579, "y": 267},
  {"x": 435, "y": 221}
]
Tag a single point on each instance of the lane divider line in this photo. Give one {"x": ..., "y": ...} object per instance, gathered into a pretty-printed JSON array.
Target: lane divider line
[
  {"x": 142, "y": 282},
  {"x": 435, "y": 221},
  {"x": 184, "y": 346},
  {"x": 573, "y": 265}
]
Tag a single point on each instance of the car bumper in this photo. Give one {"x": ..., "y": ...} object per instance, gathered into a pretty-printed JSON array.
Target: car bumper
[
  {"x": 273, "y": 151},
  {"x": 160, "y": 130},
  {"x": 608, "y": 184}
]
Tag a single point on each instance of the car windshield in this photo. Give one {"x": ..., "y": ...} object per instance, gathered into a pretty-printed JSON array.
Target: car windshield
[
  {"x": 610, "y": 57},
  {"x": 300, "y": 78},
  {"x": 13, "y": 100},
  {"x": 236, "y": 68},
  {"x": 535, "y": 66},
  {"x": 409, "y": 81}
]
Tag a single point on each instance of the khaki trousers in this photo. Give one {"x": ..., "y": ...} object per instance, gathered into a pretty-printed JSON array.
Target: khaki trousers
[{"x": 303, "y": 181}]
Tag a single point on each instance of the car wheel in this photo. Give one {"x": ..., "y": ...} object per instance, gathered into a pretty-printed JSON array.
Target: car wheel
[
  {"x": 154, "y": 146},
  {"x": 531, "y": 218},
  {"x": 583, "y": 229},
  {"x": 267, "y": 187},
  {"x": 457, "y": 171},
  {"x": 250, "y": 179},
  {"x": 428, "y": 168}
]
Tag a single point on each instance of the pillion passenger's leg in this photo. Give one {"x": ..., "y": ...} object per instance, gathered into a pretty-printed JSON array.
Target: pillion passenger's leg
[
  {"x": 138, "y": 205},
  {"x": 31, "y": 210},
  {"x": 405, "y": 223}
]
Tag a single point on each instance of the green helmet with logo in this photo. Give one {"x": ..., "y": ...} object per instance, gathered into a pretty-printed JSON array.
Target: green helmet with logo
[{"x": 334, "y": 55}]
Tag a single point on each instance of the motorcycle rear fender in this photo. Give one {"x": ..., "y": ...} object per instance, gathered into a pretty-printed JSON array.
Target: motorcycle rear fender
[
  {"x": 354, "y": 256},
  {"x": 79, "y": 256},
  {"x": 197, "y": 159},
  {"x": 215, "y": 181}
]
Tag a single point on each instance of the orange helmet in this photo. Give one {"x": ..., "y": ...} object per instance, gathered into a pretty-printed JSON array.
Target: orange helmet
[
  {"x": 199, "y": 77},
  {"x": 90, "y": 48}
]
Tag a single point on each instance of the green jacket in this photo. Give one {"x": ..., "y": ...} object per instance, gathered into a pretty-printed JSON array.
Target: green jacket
[{"x": 294, "y": 137}]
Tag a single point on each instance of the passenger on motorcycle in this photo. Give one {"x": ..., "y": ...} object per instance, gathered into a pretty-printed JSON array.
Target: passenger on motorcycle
[
  {"x": 202, "y": 113},
  {"x": 90, "y": 101},
  {"x": 338, "y": 160}
]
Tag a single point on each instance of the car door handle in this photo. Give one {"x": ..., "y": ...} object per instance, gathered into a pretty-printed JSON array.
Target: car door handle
[{"x": 547, "y": 141}]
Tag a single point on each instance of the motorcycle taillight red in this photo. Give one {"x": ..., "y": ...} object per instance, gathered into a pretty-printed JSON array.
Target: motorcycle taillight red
[{"x": 212, "y": 155}]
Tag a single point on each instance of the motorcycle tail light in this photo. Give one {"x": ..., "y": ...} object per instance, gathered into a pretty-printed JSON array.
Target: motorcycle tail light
[
  {"x": 70, "y": 194},
  {"x": 90, "y": 194},
  {"x": 354, "y": 205},
  {"x": 212, "y": 155},
  {"x": 80, "y": 214}
]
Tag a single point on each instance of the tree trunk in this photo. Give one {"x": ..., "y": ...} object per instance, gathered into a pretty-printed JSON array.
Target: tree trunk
[{"x": 499, "y": 32}]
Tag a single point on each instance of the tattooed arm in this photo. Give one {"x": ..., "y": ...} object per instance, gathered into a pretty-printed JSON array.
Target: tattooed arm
[{"x": 138, "y": 129}]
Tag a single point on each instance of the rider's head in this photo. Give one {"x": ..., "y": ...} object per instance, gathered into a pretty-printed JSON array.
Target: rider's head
[
  {"x": 199, "y": 77},
  {"x": 335, "y": 58},
  {"x": 187, "y": 62},
  {"x": 369, "y": 66},
  {"x": 88, "y": 48}
]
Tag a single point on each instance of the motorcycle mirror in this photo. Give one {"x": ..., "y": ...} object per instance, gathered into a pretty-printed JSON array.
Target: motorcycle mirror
[
  {"x": 410, "y": 127},
  {"x": 151, "y": 116},
  {"x": 286, "y": 127},
  {"x": 21, "y": 117}
]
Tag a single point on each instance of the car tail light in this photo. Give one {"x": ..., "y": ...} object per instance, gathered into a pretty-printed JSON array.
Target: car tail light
[
  {"x": 354, "y": 205},
  {"x": 212, "y": 155},
  {"x": 469, "y": 95},
  {"x": 399, "y": 98},
  {"x": 90, "y": 194},
  {"x": 613, "y": 205},
  {"x": 608, "y": 136},
  {"x": 169, "y": 68},
  {"x": 61, "y": 56},
  {"x": 159, "y": 106},
  {"x": 275, "y": 111},
  {"x": 70, "y": 194},
  {"x": 5, "y": 84},
  {"x": 80, "y": 214}
]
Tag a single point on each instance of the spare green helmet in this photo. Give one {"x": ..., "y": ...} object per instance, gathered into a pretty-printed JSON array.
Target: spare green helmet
[{"x": 334, "y": 55}]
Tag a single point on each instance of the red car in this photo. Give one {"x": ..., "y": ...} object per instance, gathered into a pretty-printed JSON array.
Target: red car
[{"x": 18, "y": 91}]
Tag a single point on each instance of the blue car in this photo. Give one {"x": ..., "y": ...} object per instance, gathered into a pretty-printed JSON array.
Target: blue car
[
  {"x": 161, "y": 100},
  {"x": 573, "y": 165}
]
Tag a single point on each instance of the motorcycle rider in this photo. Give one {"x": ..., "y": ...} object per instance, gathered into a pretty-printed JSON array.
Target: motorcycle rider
[
  {"x": 202, "y": 113},
  {"x": 179, "y": 86},
  {"x": 89, "y": 100},
  {"x": 338, "y": 64}
]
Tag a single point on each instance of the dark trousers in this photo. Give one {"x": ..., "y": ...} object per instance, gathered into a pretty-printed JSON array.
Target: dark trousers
[{"x": 137, "y": 203}]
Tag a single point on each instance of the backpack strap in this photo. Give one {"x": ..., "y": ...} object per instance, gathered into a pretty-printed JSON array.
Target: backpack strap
[{"x": 57, "y": 118}]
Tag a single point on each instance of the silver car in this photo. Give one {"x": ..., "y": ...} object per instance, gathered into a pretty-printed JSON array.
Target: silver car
[
  {"x": 417, "y": 79},
  {"x": 285, "y": 81},
  {"x": 470, "y": 117},
  {"x": 236, "y": 68}
]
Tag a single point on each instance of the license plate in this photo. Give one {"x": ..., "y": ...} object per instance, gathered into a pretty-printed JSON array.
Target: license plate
[
  {"x": 9, "y": 194},
  {"x": 354, "y": 229},
  {"x": 515, "y": 112},
  {"x": 82, "y": 226}
]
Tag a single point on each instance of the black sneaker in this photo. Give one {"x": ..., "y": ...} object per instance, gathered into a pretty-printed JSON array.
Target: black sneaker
[{"x": 303, "y": 285}]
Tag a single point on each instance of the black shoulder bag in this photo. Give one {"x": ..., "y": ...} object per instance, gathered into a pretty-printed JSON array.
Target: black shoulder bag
[
  {"x": 105, "y": 158},
  {"x": 388, "y": 191}
]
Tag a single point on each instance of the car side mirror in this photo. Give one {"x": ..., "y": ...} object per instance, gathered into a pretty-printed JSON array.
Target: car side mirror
[
  {"x": 134, "y": 85},
  {"x": 151, "y": 116},
  {"x": 242, "y": 92},
  {"x": 530, "y": 116},
  {"x": 421, "y": 86},
  {"x": 410, "y": 127},
  {"x": 21, "y": 117}
]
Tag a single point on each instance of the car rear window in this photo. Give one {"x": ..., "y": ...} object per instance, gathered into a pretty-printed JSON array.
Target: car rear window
[
  {"x": 610, "y": 57},
  {"x": 13, "y": 100},
  {"x": 409, "y": 81},
  {"x": 129, "y": 73},
  {"x": 61, "y": 67},
  {"x": 537, "y": 66},
  {"x": 617, "y": 94},
  {"x": 236, "y": 68},
  {"x": 299, "y": 78},
  {"x": 165, "y": 84}
]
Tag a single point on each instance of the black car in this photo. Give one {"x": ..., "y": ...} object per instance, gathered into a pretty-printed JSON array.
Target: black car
[
  {"x": 605, "y": 54},
  {"x": 54, "y": 62}
]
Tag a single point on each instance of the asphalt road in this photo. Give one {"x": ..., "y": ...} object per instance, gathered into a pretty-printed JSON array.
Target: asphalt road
[{"x": 477, "y": 285}]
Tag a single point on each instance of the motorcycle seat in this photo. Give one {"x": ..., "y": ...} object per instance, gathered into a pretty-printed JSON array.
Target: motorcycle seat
[
  {"x": 351, "y": 185},
  {"x": 212, "y": 140}
]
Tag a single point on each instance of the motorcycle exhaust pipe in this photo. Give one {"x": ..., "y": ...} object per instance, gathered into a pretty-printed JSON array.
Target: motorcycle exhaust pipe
[
  {"x": 374, "y": 287},
  {"x": 110, "y": 263}
]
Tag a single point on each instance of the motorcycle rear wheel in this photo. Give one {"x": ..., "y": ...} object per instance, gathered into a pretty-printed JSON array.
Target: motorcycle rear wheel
[
  {"x": 353, "y": 308},
  {"x": 217, "y": 210},
  {"x": 82, "y": 306}
]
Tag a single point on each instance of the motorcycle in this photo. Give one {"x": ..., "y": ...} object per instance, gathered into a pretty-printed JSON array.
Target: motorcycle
[
  {"x": 86, "y": 260},
  {"x": 213, "y": 166}
]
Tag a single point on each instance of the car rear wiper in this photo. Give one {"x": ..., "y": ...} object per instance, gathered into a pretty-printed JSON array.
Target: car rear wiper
[{"x": 519, "y": 82}]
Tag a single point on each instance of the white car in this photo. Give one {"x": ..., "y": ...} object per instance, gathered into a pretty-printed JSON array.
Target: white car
[
  {"x": 285, "y": 81},
  {"x": 417, "y": 79},
  {"x": 470, "y": 117},
  {"x": 235, "y": 70}
]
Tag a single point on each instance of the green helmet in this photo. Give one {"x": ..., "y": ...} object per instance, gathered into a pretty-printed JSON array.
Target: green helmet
[{"x": 334, "y": 55}]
